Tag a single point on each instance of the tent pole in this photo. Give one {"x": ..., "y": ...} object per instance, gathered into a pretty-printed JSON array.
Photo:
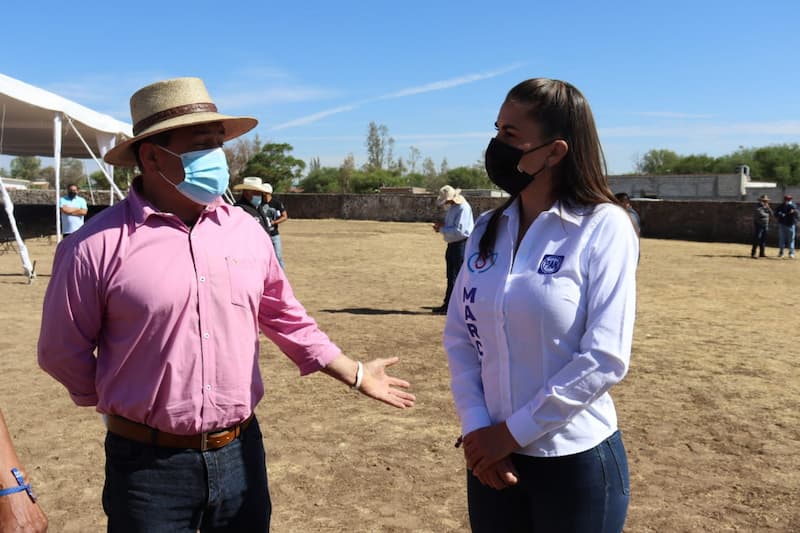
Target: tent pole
[
  {"x": 114, "y": 187},
  {"x": 57, "y": 158}
]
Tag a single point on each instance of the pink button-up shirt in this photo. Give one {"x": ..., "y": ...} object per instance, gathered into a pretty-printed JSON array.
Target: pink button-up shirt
[{"x": 173, "y": 314}]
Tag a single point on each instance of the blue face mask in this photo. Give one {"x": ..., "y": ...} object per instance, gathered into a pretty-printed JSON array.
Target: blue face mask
[
  {"x": 256, "y": 201},
  {"x": 206, "y": 175}
]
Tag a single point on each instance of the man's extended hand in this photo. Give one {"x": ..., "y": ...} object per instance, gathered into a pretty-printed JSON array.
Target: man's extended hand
[{"x": 379, "y": 385}]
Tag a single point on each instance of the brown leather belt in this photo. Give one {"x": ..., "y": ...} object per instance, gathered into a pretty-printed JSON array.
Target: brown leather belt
[{"x": 210, "y": 440}]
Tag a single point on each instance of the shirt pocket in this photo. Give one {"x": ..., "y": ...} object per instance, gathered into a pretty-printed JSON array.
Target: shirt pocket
[{"x": 246, "y": 281}]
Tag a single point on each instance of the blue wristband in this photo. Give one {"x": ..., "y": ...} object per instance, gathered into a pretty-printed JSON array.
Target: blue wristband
[{"x": 22, "y": 486}]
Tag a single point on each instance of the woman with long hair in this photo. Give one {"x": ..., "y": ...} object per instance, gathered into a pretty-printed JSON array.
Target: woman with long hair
[{"x": 540, "y": 325}]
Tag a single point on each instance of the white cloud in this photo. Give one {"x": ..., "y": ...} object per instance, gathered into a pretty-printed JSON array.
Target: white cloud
[
  {"x": 448, "y": 84},
  {"x": 308, "y": 119},
  {"x": 410, "y": 91}
]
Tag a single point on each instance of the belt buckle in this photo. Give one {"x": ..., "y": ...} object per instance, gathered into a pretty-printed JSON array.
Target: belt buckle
[{"x": 204, "y": 441}]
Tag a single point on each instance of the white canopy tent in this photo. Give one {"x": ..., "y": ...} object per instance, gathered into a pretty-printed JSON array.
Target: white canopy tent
[{"x": 35, "y": 122}]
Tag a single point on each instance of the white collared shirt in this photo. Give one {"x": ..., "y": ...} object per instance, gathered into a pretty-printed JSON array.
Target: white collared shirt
[{"x": 537, "y": 340}]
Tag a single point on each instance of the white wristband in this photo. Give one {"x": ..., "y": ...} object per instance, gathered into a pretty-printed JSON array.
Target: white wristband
[{"x": 359, "y": 376}]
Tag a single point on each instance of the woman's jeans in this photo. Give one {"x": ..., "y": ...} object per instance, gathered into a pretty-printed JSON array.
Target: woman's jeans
[
  {"x": 154, "y": 489},
  {"x": 583, "y": 493}
]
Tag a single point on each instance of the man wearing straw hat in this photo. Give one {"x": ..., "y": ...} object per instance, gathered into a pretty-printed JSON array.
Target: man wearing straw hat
[
  {"x": 457, "y": 226},
  {"x": 152, "y": 316},
  {"x": 761, "y": 216},
  {"x": 251, "y": 198}
]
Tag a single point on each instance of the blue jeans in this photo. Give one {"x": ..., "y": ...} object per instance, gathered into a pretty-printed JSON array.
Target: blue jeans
[
  {"x": 586, "y": 492},
  {"x": 276, "y": 243},
  {"x": 166, "y": 490},
  {"x": 759, "y": 240},
  {"x": 786, "y": 238}
]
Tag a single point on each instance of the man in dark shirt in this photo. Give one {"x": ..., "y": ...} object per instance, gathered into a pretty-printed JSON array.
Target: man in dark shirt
[
  {"x": 761, "y": 218},
  {"x": 275, "y": 213}
]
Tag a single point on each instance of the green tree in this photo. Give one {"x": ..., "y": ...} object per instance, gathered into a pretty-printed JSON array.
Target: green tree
[
  {"x": 658, "y": 162},
  {"x": 378, "y": 144},
  {"x": 322, "y": 180},
  {"x": 274, "y": 165},
  {"x": 780, "y": 163},
  {"x": 346, "y": 172},
  {"x": 26, "y": 167},
  {"x": 468, "y": 178},
  {"x": 695, "y": 164},
  {"x": 238, "y": 153},
  {"x": 71, "y": 172}
]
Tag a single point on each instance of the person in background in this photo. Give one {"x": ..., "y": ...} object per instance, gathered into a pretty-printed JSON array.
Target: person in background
[
  {"x": 73, "y": 209},
  {"x": 786, "y": 214},
  {"x": 455, "y": 229},
  {"x": 19, "y": 511},
  {"x": 761, "y": 216},
  {"x": 625, "y": 201},
  {"x": 250, "y": 199},
  {"x": 152, "y": 316},
  {"x": 542, "y": 326},
  {"x": 275, "y": 213}
]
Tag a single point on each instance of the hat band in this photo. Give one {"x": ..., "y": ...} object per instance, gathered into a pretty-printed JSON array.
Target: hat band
[{"x": 172, "y": 112}]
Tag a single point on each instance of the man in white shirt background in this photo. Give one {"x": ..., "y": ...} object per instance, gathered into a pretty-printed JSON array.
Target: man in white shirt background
[{"x": 73, "y": 209}]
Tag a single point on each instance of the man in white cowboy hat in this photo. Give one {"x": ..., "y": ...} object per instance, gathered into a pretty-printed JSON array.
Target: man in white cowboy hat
[
  {"x": 251, "y": 198},
  {"x": 457, "y": 226},
  {"x": 152, "y": 315}
]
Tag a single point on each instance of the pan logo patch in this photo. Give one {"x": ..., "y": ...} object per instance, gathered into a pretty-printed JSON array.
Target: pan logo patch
[{"x": 550, "y": 264}]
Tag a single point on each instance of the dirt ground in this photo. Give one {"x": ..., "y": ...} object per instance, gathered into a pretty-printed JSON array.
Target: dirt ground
[{"x": 709, "y": 410}]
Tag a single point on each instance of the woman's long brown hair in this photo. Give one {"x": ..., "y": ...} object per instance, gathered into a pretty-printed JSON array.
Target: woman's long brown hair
[{"x": 562, "y": 112}]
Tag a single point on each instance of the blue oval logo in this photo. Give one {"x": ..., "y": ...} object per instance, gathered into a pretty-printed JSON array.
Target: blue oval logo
[{"x": 477, "y": 264}]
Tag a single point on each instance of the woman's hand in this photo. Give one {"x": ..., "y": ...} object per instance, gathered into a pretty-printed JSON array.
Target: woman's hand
[
  {"x": 500, "y": 476},
  {"x": 485, "y": 447}
]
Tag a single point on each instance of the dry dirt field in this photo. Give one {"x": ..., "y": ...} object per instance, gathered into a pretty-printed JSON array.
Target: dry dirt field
[{"x": 710, "y": 409}]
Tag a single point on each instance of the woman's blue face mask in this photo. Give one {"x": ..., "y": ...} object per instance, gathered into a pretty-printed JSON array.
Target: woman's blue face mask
[{"x": 205, "y": 174}]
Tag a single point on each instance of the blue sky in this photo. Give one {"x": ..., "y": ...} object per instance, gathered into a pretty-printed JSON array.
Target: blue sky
[{"x": 691, "y": 76}]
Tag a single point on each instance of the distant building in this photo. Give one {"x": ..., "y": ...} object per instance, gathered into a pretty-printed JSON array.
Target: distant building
[
  {"x": 16, "y": 184},
  {"x": 721, "y": 187}
]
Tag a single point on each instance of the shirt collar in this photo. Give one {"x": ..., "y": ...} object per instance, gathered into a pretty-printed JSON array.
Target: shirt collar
[
  {"x": 142, "y": 209},
  {"x": 559, "y": 209}
]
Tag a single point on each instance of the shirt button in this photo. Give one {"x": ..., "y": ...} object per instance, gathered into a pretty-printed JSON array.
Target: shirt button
[
  {"x": 202, "y": 278},
  {"x": 206, "y": 335},
  {"x": 208, "y": 387}
]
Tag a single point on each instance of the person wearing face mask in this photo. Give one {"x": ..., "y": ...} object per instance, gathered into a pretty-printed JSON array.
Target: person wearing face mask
[
  {"x": 540, "y": 325},
  {"x": 152, "y": 316},
  {"x": 250, "y": 199},
  {"x": 73, "y": 209}
]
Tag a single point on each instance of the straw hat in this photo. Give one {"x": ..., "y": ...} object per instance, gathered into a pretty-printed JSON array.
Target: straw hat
[
  {"x": 267, "y": 188},
  {"x": 168, "y": 105},
  {"x": 763, "y": 198},
  {"x": 447, "y": 193},
  {"x": 252, "y": 184}
]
